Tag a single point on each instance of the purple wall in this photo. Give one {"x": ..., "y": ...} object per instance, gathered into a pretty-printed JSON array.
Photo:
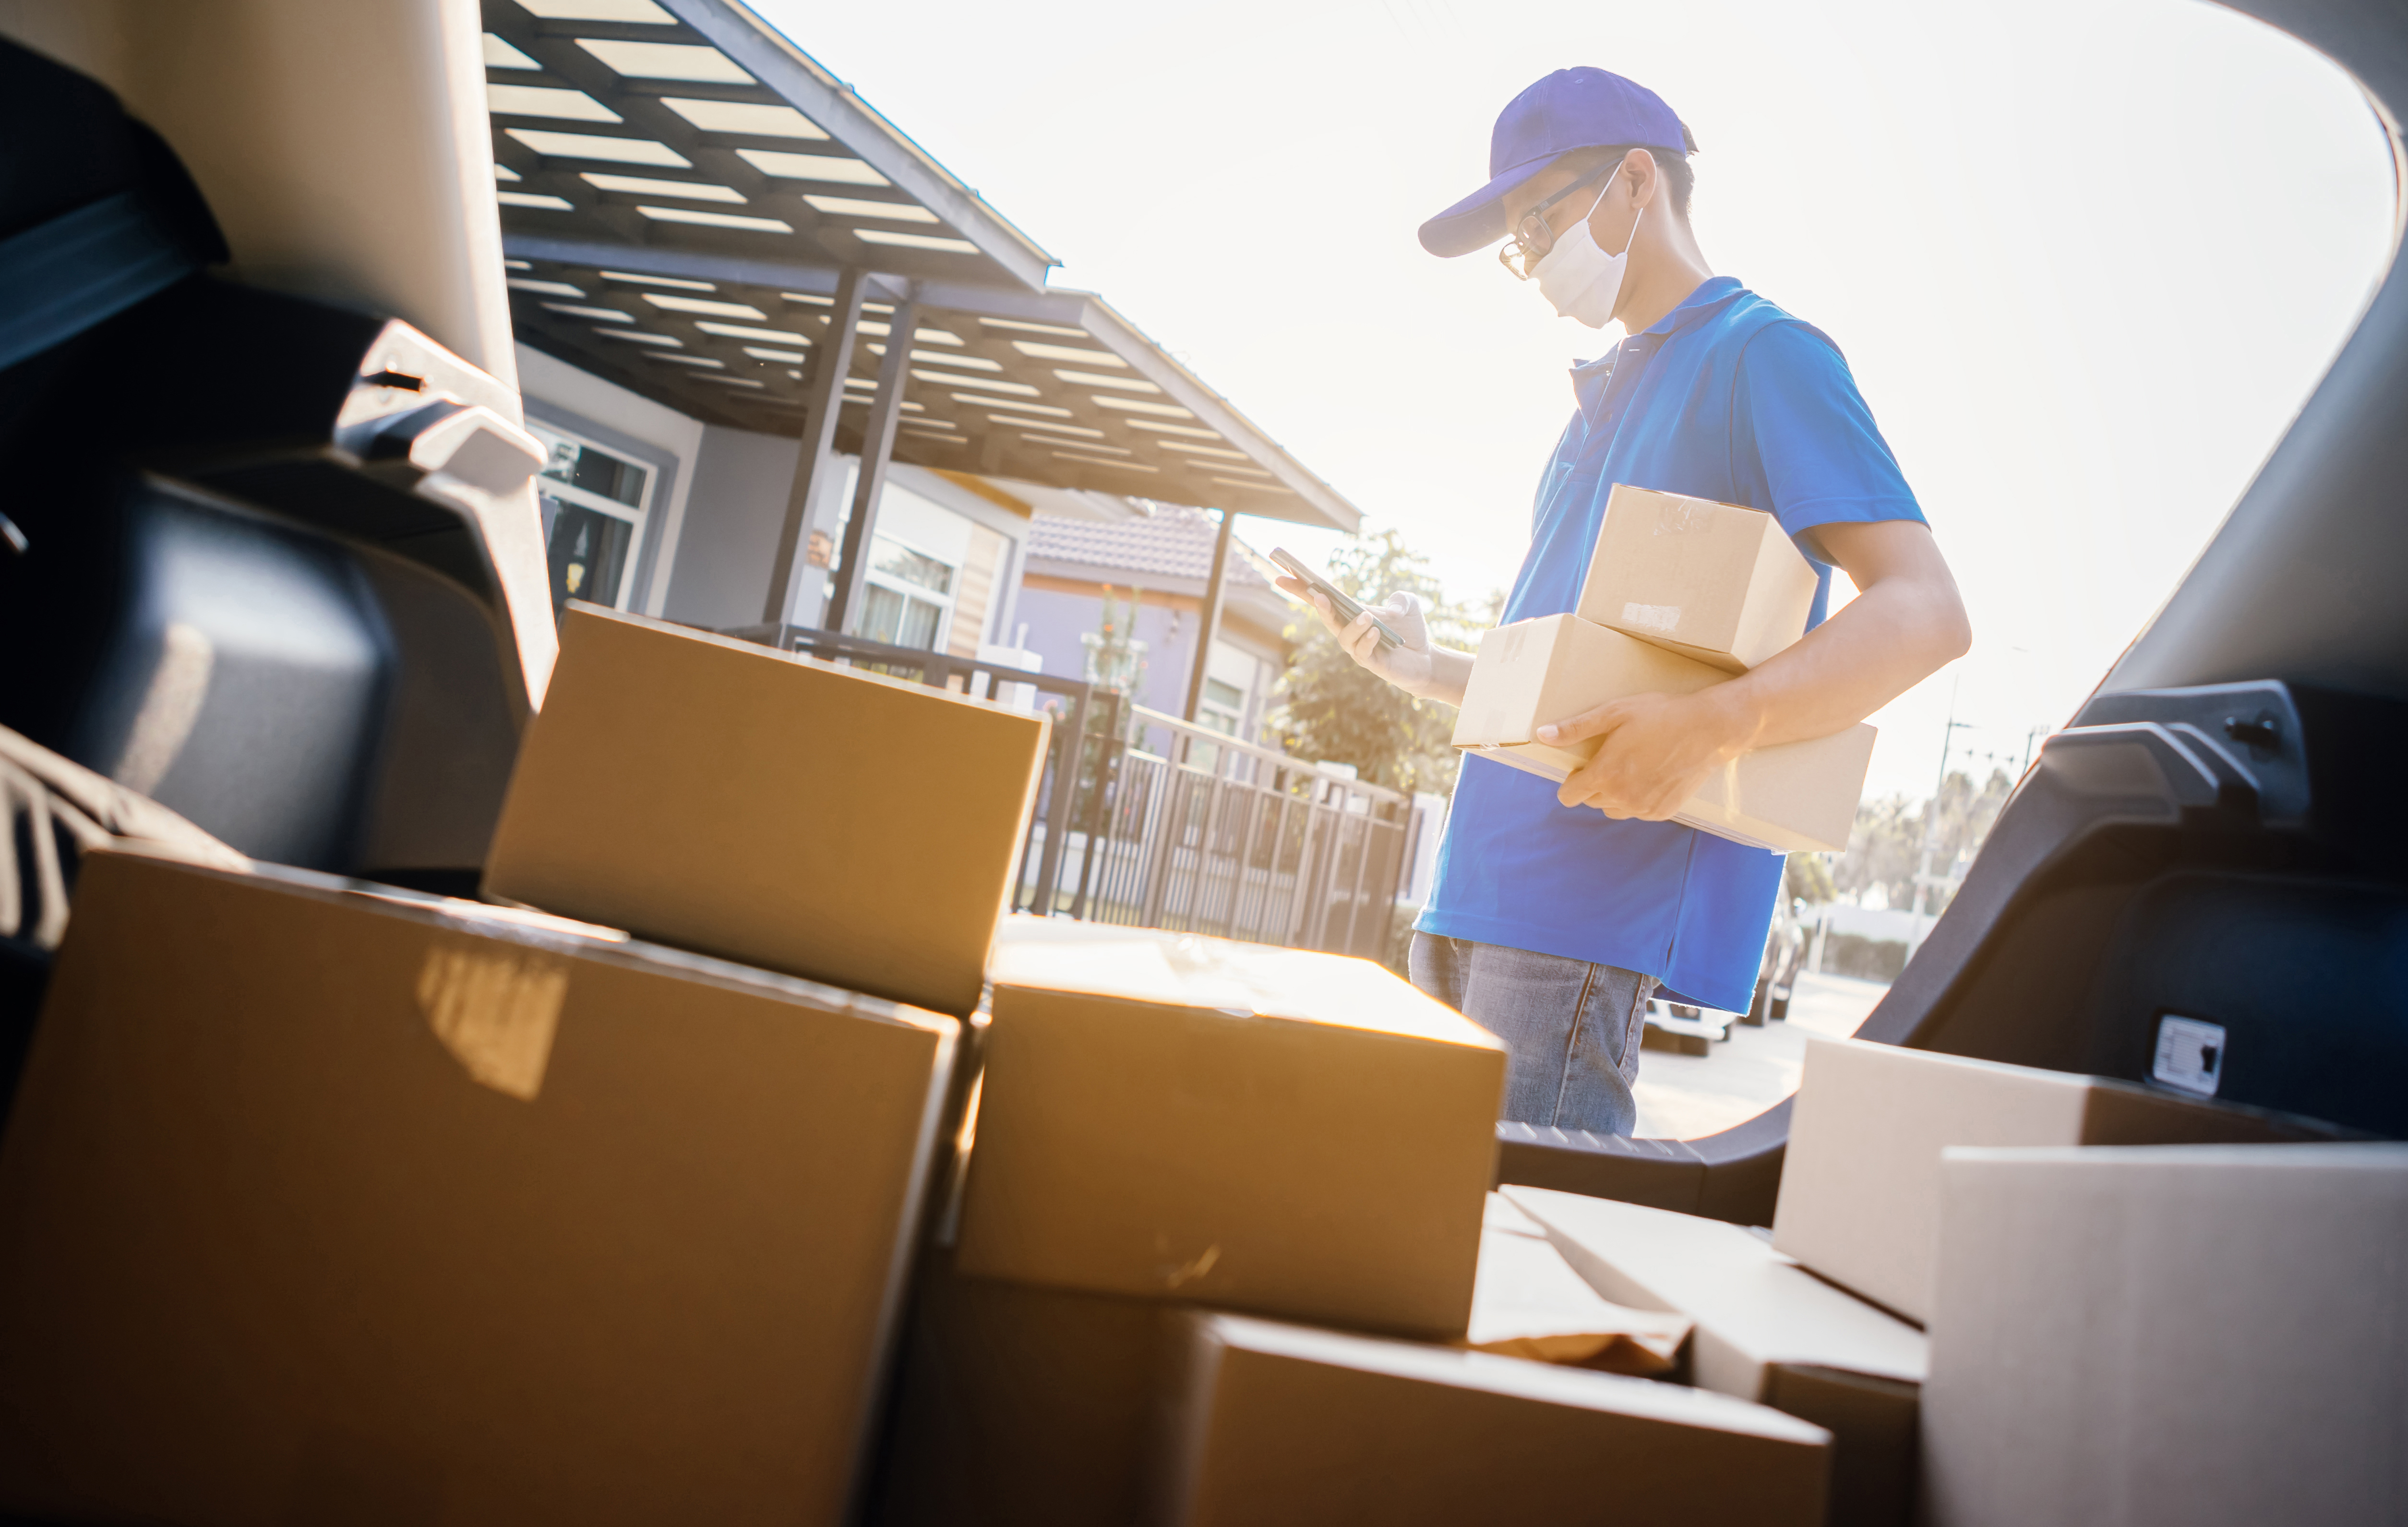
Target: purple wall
[{"x": 1057, "y": 621}]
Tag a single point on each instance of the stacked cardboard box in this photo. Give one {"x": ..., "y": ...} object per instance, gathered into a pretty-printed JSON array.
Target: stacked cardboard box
[
  {"x": 1269, "y": 1130},
  {"x": 327, "y": 1203},
  {"x": 331, "y": 1199},
  {"x": 2170, "y": 1336},
  {"x": 1861, "y": 1181},
  {"x": 1681, "y": 593},
  {"x": 1172, "y": 1129},
  {"x": 1024, "y": 1404},
  {"x": 1766, "y": 1331},
  {"x": 1823, "y": 1320},
  {"x": 763, "y": 807},
  {"x": 1276, "y": 1425}
]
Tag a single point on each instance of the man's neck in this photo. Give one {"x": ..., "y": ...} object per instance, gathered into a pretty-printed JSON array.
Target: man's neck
[{"x": 1661, "y": 283}]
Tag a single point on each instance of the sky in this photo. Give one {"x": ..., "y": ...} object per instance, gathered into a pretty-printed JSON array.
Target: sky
[{"x": 2086, "y": 258}]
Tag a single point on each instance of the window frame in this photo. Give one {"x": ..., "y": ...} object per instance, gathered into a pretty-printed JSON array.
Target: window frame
[
  {"x": 903, "y": 587},
  {"x": 638, "y": 518}
]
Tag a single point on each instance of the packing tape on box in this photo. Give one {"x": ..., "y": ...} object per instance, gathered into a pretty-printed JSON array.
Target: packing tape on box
[{"x": 495, "y": 1012}]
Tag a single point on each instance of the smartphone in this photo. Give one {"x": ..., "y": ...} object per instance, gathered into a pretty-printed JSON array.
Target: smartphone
[{"x": 1344, "y": 606}]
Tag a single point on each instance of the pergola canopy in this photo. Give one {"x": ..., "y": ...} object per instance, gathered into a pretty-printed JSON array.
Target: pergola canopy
[{"x": 681, "y": 191}]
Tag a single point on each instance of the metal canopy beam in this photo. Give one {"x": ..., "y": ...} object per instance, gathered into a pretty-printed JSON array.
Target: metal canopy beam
[
  {"x": 831, "y": 103},
  {"x": 816, "y": 463},
  {"x": 1210, "y": 628},
  {"x": 877, "y": 448},
  {"x": 1309, "y": 499},
  {"x": 681, "y": 216}
]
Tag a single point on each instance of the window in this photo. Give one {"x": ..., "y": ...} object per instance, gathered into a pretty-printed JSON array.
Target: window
[
  {"x": 1232, "y": 680},
  {"x": 595, "y": 505},
  {"x": 1223, "y": 707},
  {"x": 908, "y": 597}
]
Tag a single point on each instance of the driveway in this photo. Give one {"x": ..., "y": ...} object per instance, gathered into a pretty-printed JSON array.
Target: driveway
[{"x": 1682, "y": 1097}]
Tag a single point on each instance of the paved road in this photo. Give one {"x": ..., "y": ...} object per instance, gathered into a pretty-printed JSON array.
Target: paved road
[{"x": 1682, "y": 1097}]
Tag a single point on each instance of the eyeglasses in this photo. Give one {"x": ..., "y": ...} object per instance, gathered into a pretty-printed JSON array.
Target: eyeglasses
[{"x": 1531, "y": 239}]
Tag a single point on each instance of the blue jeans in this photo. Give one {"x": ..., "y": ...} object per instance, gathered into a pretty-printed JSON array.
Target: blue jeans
[{"x": 1571, "y": 1027}]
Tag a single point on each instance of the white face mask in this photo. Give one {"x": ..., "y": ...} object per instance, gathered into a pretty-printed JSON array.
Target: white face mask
[{"x": 1581, "y": 280}]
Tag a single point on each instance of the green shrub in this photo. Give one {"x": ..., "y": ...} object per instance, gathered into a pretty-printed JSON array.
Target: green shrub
[{"x": 1872, "y": 960}]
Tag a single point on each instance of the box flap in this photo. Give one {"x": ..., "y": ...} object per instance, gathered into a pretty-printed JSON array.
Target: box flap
[
  {"x": 1528, "y": 1302},
  {"x": 1546, "y": 1382},
  {"x": 1754, "y": 1307}
]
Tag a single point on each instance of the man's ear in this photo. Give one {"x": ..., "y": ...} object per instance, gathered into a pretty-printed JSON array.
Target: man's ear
[{"x": 1646, "y": 180}]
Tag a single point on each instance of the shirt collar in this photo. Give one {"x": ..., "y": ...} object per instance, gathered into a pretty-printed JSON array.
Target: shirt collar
[
  {"x": 1712, "y": 292},
  {"x": 1591, "y": 377}
]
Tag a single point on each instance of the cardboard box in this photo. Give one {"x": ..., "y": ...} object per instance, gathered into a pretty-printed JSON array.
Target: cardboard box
[
  {"x": 1269, "y": 1130},
  {"x": 1766, "y": 1330},
  {"x": 1529, "y": 1303},
  {"x": 1795, "y": 798},
  {"x": 1275, "y": 1424},
  {"x": 1021, "y": 1406},
  {"x": 325, "y": 1205},
  {"x": 1714, "y": 582},
  {"x": 753, "y": 804},
  {"x": 1018, "y": 1404},
  {"x": 2181, "y": 1336},
  {"x": 1860, "y": 1182}
]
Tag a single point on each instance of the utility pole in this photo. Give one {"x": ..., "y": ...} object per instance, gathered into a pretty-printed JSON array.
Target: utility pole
[{"x": 1922, "y": 878}]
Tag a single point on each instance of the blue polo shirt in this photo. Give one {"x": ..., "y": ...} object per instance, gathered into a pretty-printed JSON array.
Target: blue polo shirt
[{"x": 1728, "y": 398}]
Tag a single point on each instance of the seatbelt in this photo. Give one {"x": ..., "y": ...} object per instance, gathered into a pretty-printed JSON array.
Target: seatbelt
[{"x": 60, "y": 278}]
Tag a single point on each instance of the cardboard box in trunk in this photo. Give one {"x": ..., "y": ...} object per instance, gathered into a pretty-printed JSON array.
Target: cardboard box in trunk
[
  {"x": 1860, "y": 1182},
  {"x": 1021, "y": 1406},
  {"x": 2174, "y": 1336},
  {"x": 1025, "y": 1404},
  {"x": 1766, "y": 1330},
  {"x": 1276, "y": 1425},
  {"x": 1795, "y": 798},
  {"x": 760, "y": 806},
  {"x": 1269, "y": 1130},
  {"x": 1529, "y": 1303},
  {"x": 1718, "y": 583},
  {"x": 325, "y": 1205}
]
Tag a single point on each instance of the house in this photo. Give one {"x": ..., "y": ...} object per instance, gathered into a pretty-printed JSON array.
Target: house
[
  {"x": 793, "y": 374},
  {"x": 1150, "y": 566}
]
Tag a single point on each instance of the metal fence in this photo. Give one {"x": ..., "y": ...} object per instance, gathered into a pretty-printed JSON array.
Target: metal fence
[
  {"x": 1164, "y": 824},
  {"x": 1198, "y": 831}
]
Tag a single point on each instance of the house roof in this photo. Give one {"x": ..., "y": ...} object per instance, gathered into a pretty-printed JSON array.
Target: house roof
[
  {"x": 1170, "y": 544},
  {"x": 680, "y": 187}
]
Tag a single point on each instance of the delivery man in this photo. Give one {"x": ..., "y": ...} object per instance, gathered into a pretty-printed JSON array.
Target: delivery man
[{"x": 1558, "y": 911}]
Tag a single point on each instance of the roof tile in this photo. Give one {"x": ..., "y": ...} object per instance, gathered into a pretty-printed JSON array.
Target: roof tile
[{"x": 1172, "y": 542}]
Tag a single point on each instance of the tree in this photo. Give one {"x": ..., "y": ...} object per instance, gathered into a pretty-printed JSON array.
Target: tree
[
  {"x": 1115, "y": 658},
  {"x": 1807, "y": 877},
  {"x": 1333, "y": 710},
  {"x": 1887, "y": 848}
]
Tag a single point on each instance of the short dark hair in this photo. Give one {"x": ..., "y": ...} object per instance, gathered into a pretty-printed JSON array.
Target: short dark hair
[{"x": 1679, "y": 179}]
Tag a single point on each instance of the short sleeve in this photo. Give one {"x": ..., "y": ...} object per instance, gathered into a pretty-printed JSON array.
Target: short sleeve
[{"x": 1803, "y": 440}]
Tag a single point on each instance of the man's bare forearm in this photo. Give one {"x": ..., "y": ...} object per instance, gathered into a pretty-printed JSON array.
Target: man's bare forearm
[{"x": 1892, "y": 637}]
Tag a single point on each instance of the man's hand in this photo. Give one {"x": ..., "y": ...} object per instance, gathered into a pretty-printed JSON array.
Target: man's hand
[
  {"x": 1658, "y": 749},
  {"x": 1416, "y": 668}
]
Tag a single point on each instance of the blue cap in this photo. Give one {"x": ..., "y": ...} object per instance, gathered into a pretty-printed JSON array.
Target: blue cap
[{"x": 1570, "y": 109}]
